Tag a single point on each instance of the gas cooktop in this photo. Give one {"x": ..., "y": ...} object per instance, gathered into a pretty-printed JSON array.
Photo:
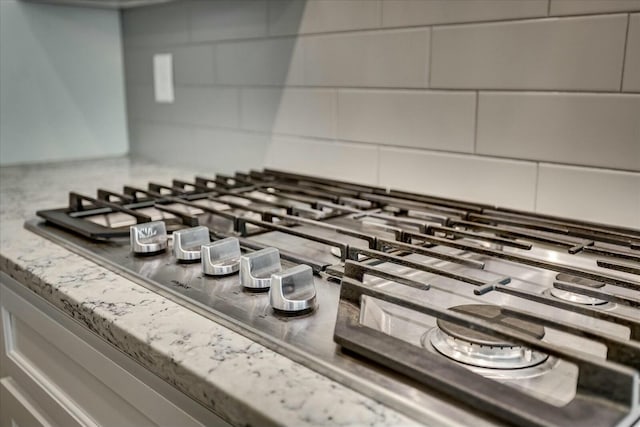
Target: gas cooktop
[{"x": 454, "y": 313}]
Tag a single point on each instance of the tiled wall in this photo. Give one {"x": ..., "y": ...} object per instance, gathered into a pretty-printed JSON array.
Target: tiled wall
[{"x": 532, "y": 104}]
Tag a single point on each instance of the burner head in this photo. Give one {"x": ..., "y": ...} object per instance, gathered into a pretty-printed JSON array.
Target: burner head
[
  {"x": 471, "y": 347},
  {"x": 575, "y": 297},
  {"x": 493, "y": 314}
]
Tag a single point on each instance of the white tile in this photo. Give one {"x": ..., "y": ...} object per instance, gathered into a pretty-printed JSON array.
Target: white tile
[
  {"x": 381, "y": 59},
  {"x": 228, "y": 19},
  {"x": 576, "y": 7},
  {"x": 397, "y": 13},
  {"x": 344, "y": 161},
  {"x": 586, "y": 129},
  {"x": 566, "y": 54},
  {"x": 591, "y": 194},
  {"x": 206, "y": 106},
  {"x": 157, "y": 141},
  {"x": 141, "y": 105},
  {"x": 155, "y": 25},
  {"x": 193, "y": 64},
  {"x": 259, "y": 62},
  {"x": 219, "y": 151},
  {"x": 226, "y": 151},
  {"x": 438, "y": 120},
  {"x": 306, "y": 112},
  {"x": 287, "y": 17},
  {"x": 631, "y": 79},
  {"x": 477, "y": 179}
]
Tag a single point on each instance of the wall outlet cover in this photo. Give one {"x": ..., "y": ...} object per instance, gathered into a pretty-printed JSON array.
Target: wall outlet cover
[{"x": 163, "y": 77}]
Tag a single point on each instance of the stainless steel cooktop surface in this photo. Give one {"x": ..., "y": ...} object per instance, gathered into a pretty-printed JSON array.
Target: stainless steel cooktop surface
[{"x": 451, "y": 312}]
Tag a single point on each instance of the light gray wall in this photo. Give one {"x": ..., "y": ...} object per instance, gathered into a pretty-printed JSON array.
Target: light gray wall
[
  {"x": 61, "y": 83},
  {"x": 532, "y": 104}
]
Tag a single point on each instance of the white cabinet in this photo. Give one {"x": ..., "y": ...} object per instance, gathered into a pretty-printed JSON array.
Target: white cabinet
[
  {"x": 17, "y": 408},
  {"x": 55, "y": 372}
]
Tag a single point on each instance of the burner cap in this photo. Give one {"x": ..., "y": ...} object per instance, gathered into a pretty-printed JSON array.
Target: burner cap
[
  {"x": 493, "y": 314},
  {"x": 471, "y": 347}
]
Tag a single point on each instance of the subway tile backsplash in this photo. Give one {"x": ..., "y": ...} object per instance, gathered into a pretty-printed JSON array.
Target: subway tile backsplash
[
  {"x": 505, "y": 182},
  {"x": 273, "y": 61},
  {"x": 594, "y": 129},
  {"x": 395, "y": 58},
  {"x": 348, "y": 161},
  {"x": 426, "y": 119},
  {"x": 220, "y": 150},
  {"x": 592, "y": 194},
  {"x": 307, "y": 112},
  {"x": 531, "y": 104},
  {"x": 583, "y": 53}
]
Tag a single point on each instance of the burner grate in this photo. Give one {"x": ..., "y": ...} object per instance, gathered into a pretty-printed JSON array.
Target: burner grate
[{"x": 607, "y": 390}]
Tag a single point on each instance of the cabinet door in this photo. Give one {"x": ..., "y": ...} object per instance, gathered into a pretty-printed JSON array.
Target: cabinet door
[{"x": 17, "y": 409}]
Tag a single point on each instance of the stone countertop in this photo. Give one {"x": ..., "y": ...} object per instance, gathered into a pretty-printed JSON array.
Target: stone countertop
[{"x": 242, "y": 381}]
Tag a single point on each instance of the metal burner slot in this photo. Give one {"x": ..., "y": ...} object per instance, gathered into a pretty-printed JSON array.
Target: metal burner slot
[{"x": 606, "y": 392}]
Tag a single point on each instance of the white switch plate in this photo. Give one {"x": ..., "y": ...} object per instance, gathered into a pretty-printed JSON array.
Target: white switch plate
[{"x": 163, "y": 77}]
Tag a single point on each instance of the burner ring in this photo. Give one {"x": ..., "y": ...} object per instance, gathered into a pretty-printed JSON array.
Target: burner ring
[
  {"x": 475, "y": 348},
  {"x": 483, "y": 356}
]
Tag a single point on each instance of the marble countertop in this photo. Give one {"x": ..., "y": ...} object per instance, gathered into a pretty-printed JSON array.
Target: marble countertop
[{"x": 242, "y": 381}]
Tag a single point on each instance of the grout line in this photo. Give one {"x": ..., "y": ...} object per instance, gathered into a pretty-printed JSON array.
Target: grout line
[
  {"x": 303, "y": 45},
  {"x": 380, "y": 17},
  {"x": 417, "y": 89},
  {"x": 475, "y": 124},
  {"x": 624, "y": 52},
  {"x": 430, "y": 56},
  {"x": 336, "y": 115},
  {"x": 549, "y": 7},
  {"x": 535, "y": 187}
]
